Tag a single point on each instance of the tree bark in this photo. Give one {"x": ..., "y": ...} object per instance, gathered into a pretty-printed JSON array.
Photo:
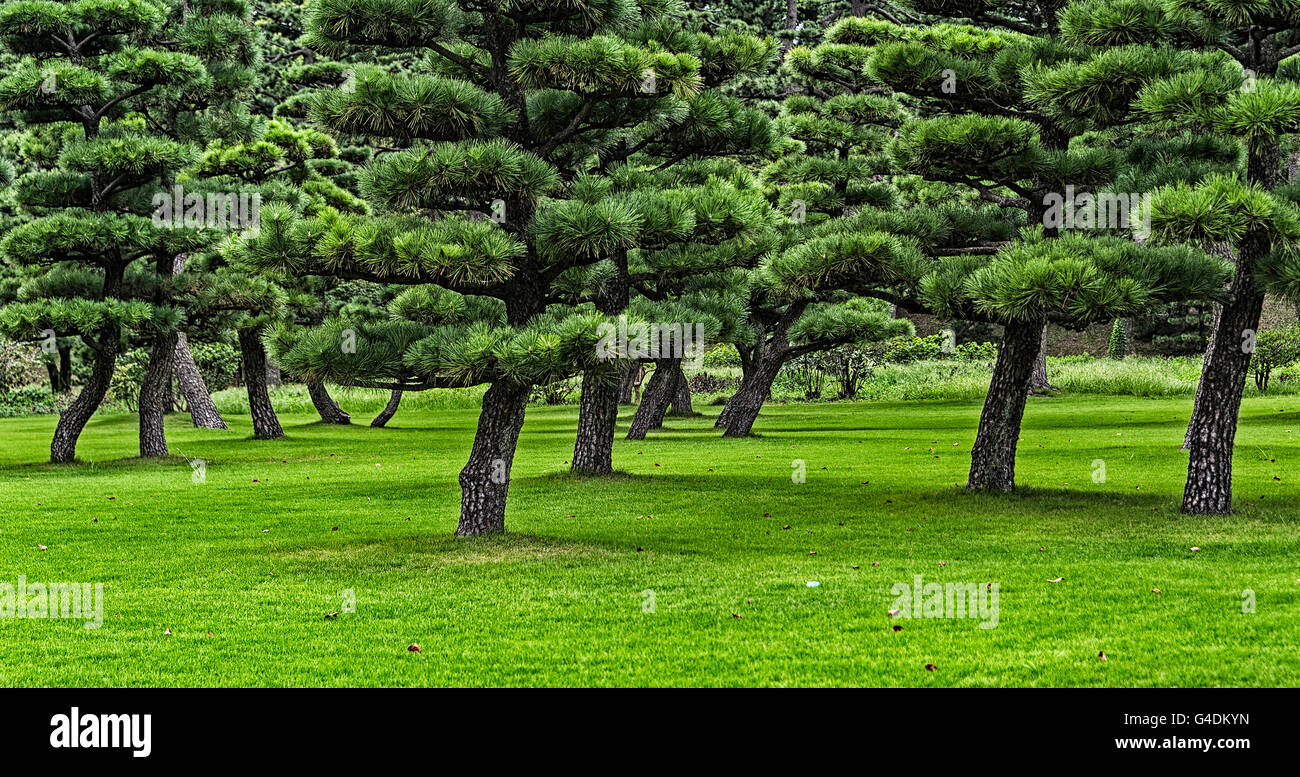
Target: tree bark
[
  {"x": 485, "y": 480},
  {"x": 1227, "y": 253},
  {"x": 272, "y": 374},
  {"x": 654, "y": 402},
  {"x": 741, "y": 411},
  {"x": 266, "y": 426},
  {"x": 993, "y": 457},
  {"x": 203, "y": 411},
  {"x": 107, "y": 342},
  {"x": 389, "y": 410},
  {"x": 61, "y": 371},
  {"x": 1213, "y": 427},
  {"x": 329, "y": 410},
  {"x": 681, "y": 404},
  {"x": 1039, "y": 382},
  {"x": 156, "y": 394},
  {"x": 63, "y": 448},
  {"x": 593, "y": 450},
  {"x": 629, "y": 383}
]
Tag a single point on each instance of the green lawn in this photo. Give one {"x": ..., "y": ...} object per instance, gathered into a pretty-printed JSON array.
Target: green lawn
[{"x": 559, "y": 600}]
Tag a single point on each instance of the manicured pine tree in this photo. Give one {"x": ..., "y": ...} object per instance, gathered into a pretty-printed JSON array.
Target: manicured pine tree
[
  {"x": 698, "y": 217},
  {"x": 833, "y": 168},
  {"x": 89, "y": 63},
  {"x": 1241, "y": 90},
  {"x": 524, "y": 99},
  {"x": 275, "y": 163}
]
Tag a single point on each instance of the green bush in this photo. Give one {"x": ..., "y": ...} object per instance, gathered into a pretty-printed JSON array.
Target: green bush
[
  {"x": 27, "y": 400},
  {"x": 1274, "y": 348},
  {"x": 218, "y": 363},
  {"x": 1118, "y": 347}
]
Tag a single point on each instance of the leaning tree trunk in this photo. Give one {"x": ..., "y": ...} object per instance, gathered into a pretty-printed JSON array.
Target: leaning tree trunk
[
  {"x": 265, "y": 424},
  {"x": 156, "y": 395},
  {"x": 329, "y": 410},
  {"x": 63, "y": 448},
  {"x": 203, "y": 411},
  {"x": 1039, "y": 381},
  {"x": 1224, "y": 251},
  {"x": 741, "y": 411},
  {"x": 655, "y": 400},
  {"x": 993, "y": 457},
  {"x": 73, "y": 420},
  {"x": 682, "y": 395},
  {"x": 485, "y": 480},
  {"x": 593, "y": 450},
  {"x": 389, "y": 410},
  {"x": 1223, "y": 379}
]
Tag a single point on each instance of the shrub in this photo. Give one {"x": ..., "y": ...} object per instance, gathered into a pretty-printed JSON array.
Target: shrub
[
  {"x": 1118, "y": 348},
  {"x": 27, "y": 400},
  {"x": 218, "y": 363},
  {"x": 1273, "y": 348},
  {"x": 20, "y": 365}
]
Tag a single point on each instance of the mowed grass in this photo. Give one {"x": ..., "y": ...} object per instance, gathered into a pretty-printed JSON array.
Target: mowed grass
[{"x": 243, "y": 568}]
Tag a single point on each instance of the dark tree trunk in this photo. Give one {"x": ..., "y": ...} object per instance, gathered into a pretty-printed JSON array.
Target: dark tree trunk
[
  {"x": 993, "y": 457},
  {"x": 73, "y": 420},
  {"x": 682, "y": 394},
  {"x": 655, "y": 400},
  {"x": 629, "y": 382},
  {"x": 1213, "y": 427},
  {"x": 485, "y": 480},
  {"x": 1227, "y": 253},
  {"x": 61, "y": 371},
  {"x": 203, "y": 411},
  {"x": 272, "y": 374},
  {"x": 156, "y": 395},
  {"x": 389, "y": 410},
  {"x": 1039, "y": 382},
  {"x": 265, "y": 424},
  {"x": 741, "y": 411},
  {"x": 593, "y": 450},
  {"x": 329, "y": 410},
  {"x": 63, "y": 448}
]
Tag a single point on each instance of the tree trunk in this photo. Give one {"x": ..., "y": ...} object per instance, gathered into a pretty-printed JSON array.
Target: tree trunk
[
  {"x": 156, "y": 394},
  {"x": 629, "y": 383},
  {"x": 593, "y": 450},
  {"x": 1039, "y": 381},
  {"x": 389, "y": 410},
  {"x": 1227, "y": 253},
  {"x": 1213, "y": 427},
  {"x": 329, "y": 410},
  {"x": 682, "y": 394},
  {"x": 265, "y": 424},
  {"x": 72, "y": 421},
  {"x": 993, "y": 457},
  {"x": 654, "y": 402},
  {"x": 203, "y": 411},
  {"x": 107, "y": 342},
  {"x": 272, "y": 374},
  {"x": 741, "y": 411},
  {"x": 485, "y": 480},
  {"x": 60, "y": 371}
]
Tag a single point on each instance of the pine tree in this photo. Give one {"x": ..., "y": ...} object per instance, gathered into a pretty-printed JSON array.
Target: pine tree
[
  {"x": 511, "y": 123},
  {"x": 87, "y": 63},
  {"x": 1226, "y": 81},
  {"x": 994, "y": 133}
]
